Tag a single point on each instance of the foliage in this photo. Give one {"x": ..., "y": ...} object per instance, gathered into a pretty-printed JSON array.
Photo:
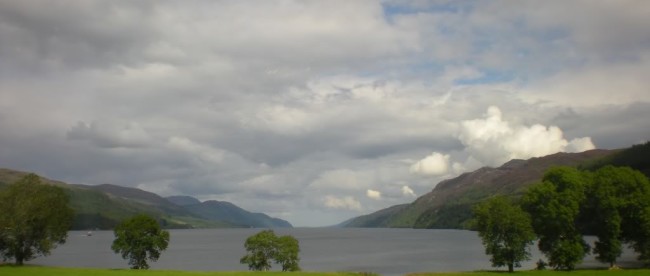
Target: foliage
[
  {"x": 540, "y": 265},
  {"x": 632, "y": 272},
  {"x": 140, "y": 238},
  {"x": 506, "y": 231},
  {"x": 612, "y": 203},
  {"x": 96, "y": 209},
  {"x": 49, "y": 271},
  {"x": 631, "y": 203},
  {"x": 34, "y": 218},
  {"x": 287, "y": 253},
  {"x": 260, "y": 248},
  {"x": 641, "y": 242},
  {"x": 602, "y": 210},
  {"x": 635, "y": 157},
  {"x": 615, "y": 211},
  {"x": 554, "y": 206},
  {"x": 446, "y": 217},
  {"x": 266, "y": 246}
]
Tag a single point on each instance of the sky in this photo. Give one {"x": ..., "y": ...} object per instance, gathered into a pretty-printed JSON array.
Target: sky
[{"x": 314, "y": 111}]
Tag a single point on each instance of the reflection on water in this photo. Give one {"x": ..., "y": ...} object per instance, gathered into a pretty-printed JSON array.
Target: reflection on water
[{"x": 384, "y": 251}]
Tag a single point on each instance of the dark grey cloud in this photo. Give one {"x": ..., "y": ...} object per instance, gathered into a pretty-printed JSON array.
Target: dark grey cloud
[
  {"x": 301, "y": 108},
  {"x": 51, "y": 36},
  {"x": 610, "y": 126}
]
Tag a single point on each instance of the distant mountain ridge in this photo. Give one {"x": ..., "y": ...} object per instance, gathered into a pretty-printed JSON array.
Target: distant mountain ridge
[
  {"x": 183, "y": 200},
  {"x": 103, "y": 206},
  {"x": 228, "y": 212},
  {"x": 449, "y": 204}
]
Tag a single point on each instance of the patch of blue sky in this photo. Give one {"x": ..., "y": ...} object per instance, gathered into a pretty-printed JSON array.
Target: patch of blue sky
[
  {"x": 422, "y": 69},
  {"x": 392, "y": 9},
  {"x": 519, "y": 28},
  {"x": 489, "y": 76}
]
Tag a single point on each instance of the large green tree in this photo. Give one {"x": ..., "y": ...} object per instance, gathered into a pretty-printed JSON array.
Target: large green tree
[
  {"x": 601, "y": 217},
  {"x": 265, "y": 247},
  {"x": 641, "y": 242},
  {"x": 34, "y": 219},
  {"x": 505, "y": 230},
  {"x": 554, "y": 206},
  {"x": 140, "y": 238},
  {"x": 260, "y": 248},
  {"x": 618, "y": 199},
  {"x": 287, "y": 252}
]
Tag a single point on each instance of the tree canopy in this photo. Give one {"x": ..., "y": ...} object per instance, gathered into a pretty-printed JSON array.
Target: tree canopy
[
  {"x": 34, "y": 219},
  {"x": 505, "y": 230},
  {"x": 612, "y": 203},
  {"x": 265, "y": 246},
  {"x": 619, "y": 198},
  {"x": 140, "y": 238},
  {"x": 554, "y": 206}
]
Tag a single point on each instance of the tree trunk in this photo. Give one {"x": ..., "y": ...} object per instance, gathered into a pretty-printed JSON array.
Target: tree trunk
[
  {"x": 19, "y": 260},
  {"x": 511, "y": 267}
]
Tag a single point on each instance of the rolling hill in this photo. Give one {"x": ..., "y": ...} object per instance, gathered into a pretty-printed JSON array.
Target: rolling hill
[
  {"x": 104, "y": 206},
  {"x": 449, "y": 204},
  {"x": 228, "y": 212}
]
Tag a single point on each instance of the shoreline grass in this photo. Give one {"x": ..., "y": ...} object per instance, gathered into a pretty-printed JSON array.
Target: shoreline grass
[
  {"x": 577, "y": 272},
  {"x": 30, "y": 270}
]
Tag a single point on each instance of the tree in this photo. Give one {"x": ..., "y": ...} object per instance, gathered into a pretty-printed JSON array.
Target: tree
[
  {"x": 602, "y": 212},
  {"x": 619, "y": 198},
  {"x": 34, "y": 219},
  {"x": 554, "y": 206},
  {"x": 287, "y": 253},
  {"x": 260, "y": 248},
  {"x": 266, "y": 246},
  {"x": 641, "y": 242},
  {"x": 505, "y": 230},
  {"x": 140, "y": 238}
]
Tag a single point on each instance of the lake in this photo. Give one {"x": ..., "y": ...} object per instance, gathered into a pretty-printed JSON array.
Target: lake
[{"x": 384, "y": 251}]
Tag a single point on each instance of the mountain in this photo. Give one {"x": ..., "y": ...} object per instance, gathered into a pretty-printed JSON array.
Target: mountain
[
  {"x": 635, "y": 157},
  {"x": 449, "y": 204},
  {"x": 377, "y": 218},
  {"x": 139, "y": 197},
  {"x": 183, "y": 200},
  {"x": 228, "y": 212},
  {"x": 104, "y": 206}
]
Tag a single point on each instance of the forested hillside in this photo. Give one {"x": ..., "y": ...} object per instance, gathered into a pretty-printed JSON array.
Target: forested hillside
[
  {"x": 449, "y": 204},
  {"x": 104, "y": 206}
]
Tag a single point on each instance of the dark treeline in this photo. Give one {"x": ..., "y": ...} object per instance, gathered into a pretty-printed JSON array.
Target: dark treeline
[{"x": 611, "y": 203}]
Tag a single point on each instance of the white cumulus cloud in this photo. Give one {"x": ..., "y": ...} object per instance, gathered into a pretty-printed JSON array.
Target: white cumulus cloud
[
  {"x": 493, "y": 141},
  {"x": 346, "y": 202},
  {"x": 580, "y": 145},
  {"x": 407, "y": 191},
  {"x": 434, "y": 164},
  {"x": 376, "y": 195}
]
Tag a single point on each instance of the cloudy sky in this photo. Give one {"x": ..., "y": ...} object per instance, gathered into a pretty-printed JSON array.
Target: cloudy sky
[{"x": 313, "y": 111}]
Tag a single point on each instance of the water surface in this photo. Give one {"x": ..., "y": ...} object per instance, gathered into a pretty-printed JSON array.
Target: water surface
[{"x": 384, "y": 251}]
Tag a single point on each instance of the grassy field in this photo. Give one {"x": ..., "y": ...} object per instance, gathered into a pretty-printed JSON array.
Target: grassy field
[
  {"x": 54, "y": 271},
  {"x": 631, "y": 272}
]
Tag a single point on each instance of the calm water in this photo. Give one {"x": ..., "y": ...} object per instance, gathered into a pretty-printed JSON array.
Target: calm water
[{"x": 384, "y": 251}]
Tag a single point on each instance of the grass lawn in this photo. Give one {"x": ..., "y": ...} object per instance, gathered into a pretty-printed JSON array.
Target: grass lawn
[
  {"x": 630, "y": 272},
  {"x": 55, "y": 271}
]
